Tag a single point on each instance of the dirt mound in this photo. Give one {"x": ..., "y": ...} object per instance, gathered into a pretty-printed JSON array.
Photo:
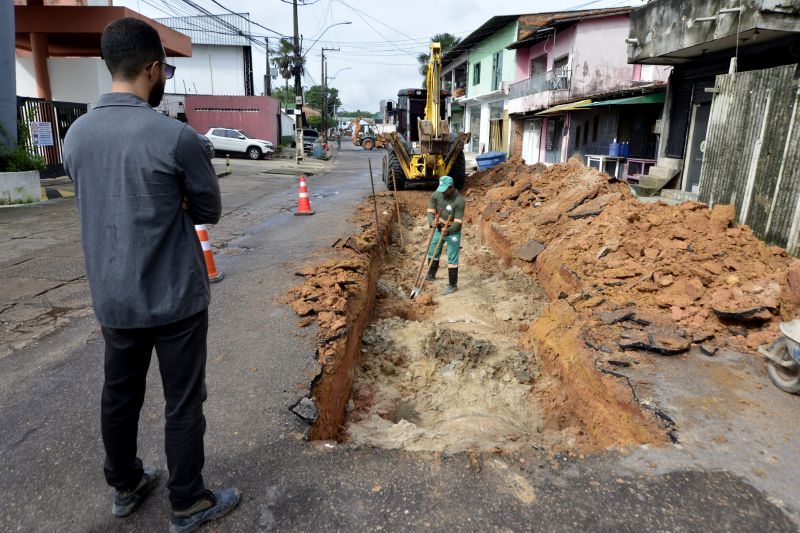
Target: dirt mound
[{"x": 686, "y": 265}]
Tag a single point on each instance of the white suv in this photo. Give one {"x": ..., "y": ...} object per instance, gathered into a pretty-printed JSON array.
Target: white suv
[{"x": 227, "y": 140}]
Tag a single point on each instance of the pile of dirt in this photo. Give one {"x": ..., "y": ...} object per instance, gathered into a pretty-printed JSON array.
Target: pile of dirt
[{"x": 655, "y": 277}]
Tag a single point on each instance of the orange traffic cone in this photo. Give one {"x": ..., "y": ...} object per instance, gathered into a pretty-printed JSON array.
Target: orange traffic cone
[
  {"x": 303, "y": 204},
  {"x": 213, "y": 275}
]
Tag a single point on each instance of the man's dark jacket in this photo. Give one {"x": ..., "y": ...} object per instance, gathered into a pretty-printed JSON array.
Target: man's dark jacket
[{"x": 132, "y": 167}]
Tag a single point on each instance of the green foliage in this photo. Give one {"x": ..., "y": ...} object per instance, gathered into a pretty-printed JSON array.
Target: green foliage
[
  {"x": 357, "y": 113},
  {"x": 19, "y": 159},
  {"x": 314, "y": 98},
  {"x": 314, "y": 122},
  {"x": 447, "y": 40}
]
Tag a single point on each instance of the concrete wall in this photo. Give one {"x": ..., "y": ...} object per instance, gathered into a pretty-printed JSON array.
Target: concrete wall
[
  {"x": 600, "y": 57},
  {"x": 255, "y": 115},
  {"x": 226, "y": 63},
  {"x": 483, "y": 52},
  {"x": 72, "y": 79},
  {"x": 677, "y": 29}
]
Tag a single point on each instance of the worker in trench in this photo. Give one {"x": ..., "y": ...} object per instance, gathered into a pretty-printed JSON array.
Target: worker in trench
[{"x": 445, "y": 201}]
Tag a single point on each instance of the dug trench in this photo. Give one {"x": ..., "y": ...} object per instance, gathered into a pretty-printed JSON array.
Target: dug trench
[
  {"x": 497, "y": 366},
  {"x": 568, "y": 285}
]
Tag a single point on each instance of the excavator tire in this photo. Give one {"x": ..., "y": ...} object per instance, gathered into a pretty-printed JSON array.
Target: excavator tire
[
  {"x": 390, "y": 162},
  {"x": 368, "y": 143},
  {"x": 459, "y": 171}
]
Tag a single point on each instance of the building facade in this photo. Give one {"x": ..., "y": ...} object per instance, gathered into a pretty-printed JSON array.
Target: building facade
[{"x": 569, "y": 63}]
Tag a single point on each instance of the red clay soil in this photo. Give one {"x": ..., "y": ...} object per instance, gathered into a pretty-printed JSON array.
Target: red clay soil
[
  {"x": 626, "y": 279},
  {"x": 338, "y": 296}
]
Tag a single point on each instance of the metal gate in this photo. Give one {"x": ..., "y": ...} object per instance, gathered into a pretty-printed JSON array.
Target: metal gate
[
  {"x": 752, "y": 152},
  {"x": 61, "y": 115}
]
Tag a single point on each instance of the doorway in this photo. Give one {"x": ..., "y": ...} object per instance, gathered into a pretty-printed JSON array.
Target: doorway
[
  {"x": 531, "y": 140},
  {"x": 697, "y": 137},
  {"x": 555, "y": 131}
]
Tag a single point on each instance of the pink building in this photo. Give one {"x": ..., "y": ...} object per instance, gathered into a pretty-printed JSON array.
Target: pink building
[
  {"x": 258, "y": 116},
  {"x": 573, "y": 60}
]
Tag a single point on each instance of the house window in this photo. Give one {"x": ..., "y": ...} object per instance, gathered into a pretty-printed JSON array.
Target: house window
[
  {"x": 476, "y": 74},
  {"x": 497, "y": 70},
  {"x": 560, "y": 79}
]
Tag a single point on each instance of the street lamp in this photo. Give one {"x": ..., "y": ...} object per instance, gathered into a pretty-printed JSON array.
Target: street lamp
[
  {"x": 323, "y": 33},
  {"x": 337, "y": 73}
]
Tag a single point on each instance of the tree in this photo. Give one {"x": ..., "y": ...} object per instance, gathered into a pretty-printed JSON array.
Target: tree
[
  {"x": 357, "y": 113},
  {"x": 314, "y": 98},
  {"x": 284, "y": 60},
  {"x": 447, "y": 40}
]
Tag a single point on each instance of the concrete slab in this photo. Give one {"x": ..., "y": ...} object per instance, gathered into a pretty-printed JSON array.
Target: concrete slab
[{"x": 17, "y": 288}]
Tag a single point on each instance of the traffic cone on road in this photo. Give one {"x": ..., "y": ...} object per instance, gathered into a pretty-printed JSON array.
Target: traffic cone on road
[
  {"x": 303, "y": 203},
  {"x": 213, "y": 275}
]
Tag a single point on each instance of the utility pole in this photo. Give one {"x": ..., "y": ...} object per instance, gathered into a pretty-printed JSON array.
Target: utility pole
[
  {"x": 324, "y": 88},
  {"x": 298, "y": 91},
  {"x": 324, "y": 74},
  {"x": 268, "y": 76},
  {"x": 8, "y": 83}
]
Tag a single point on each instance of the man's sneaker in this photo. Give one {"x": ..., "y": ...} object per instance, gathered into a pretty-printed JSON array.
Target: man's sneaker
[
  {"x": 210, "y": 507},
  {"x": 126, "y": 501},
  {"x": 450, "y": 289}
]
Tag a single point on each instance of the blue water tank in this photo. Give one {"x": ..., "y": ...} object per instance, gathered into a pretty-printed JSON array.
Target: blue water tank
[
  {"x": 317, "y": 149},
  {"x": 625, "y": 150},
  {"x": 613, "y": 150}
]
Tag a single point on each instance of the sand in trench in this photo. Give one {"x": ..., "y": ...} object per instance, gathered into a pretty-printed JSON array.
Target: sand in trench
[{"x": 451, "y": 378}]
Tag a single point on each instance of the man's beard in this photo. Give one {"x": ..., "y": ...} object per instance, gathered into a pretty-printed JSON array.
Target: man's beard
[{"x": 156, "y": 94}]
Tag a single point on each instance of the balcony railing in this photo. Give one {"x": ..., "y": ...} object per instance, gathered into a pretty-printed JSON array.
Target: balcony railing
[{"x": 552, "y": 80}]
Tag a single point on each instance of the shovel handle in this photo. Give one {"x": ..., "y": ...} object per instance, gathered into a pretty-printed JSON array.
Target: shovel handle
[
  {"x": 439, "y": 245},
  {"x": 425, "y": 253}
]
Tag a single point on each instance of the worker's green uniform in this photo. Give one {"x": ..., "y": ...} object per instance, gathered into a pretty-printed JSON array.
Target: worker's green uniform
[{"x": 446, "y": 207}]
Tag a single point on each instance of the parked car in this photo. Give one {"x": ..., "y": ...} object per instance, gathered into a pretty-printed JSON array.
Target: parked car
[
  {"x": 207, "y": 144},
  {"x": 230, "y": 140},
  {"x": 309, "y": 138}
]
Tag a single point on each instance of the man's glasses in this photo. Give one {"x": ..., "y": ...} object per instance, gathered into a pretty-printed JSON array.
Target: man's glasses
[{"x": 169, "y": 70}]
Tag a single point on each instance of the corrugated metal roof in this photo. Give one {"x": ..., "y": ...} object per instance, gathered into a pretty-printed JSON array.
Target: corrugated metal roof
[{"x": 214, "y": 30}]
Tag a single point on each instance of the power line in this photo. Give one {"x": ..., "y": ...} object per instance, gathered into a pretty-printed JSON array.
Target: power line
[{"x": 251, "y": 21}]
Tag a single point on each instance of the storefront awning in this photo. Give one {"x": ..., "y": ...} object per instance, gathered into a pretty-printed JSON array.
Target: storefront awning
[
  {"x": 653, "y": 98},
  {"x": 564, "y": 108}
]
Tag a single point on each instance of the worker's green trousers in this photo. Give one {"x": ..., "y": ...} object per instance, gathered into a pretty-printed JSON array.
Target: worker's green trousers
[{"x": 453, "y": 244}]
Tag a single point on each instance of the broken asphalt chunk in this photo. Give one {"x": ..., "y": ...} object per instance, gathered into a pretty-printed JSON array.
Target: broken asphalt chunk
[
  {"x": 306, "y": 409},
  {"x": 614, "y": 317},
  {"x": 661, "y": 342},
  {"x": 530, "y": 250}
]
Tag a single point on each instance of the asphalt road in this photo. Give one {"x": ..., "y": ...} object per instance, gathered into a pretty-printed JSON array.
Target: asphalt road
[{"x": 259, "y": 364}]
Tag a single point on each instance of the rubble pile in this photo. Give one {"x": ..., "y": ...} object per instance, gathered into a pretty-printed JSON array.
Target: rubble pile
[{"x": 674, "y": 275}]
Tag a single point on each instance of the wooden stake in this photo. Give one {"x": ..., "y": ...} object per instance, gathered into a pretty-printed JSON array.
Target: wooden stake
[
  {"x": 374, "y": 199},
  {"x": 397, "y": 204}
]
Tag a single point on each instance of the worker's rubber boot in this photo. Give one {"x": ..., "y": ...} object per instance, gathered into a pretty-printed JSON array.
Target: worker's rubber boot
[
  {"x": 452, "y": 273},
  {"x": 432, "y": 269}
]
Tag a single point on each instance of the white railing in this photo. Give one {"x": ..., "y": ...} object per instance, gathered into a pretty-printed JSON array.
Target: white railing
[{"x": 552, "y": 80}]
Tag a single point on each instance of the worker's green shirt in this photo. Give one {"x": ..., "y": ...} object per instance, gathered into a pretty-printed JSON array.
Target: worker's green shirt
[{"x": 447, "y": 206}]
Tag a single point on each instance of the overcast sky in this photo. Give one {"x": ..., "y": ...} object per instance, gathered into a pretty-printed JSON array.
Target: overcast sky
[{"x": 379, "y": 48}]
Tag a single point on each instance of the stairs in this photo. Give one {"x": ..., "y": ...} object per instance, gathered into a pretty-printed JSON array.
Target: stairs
[{"x": 654, "y": 181}]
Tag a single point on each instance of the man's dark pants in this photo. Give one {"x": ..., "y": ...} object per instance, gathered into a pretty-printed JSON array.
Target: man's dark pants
[{"x": 181, "y": 351}]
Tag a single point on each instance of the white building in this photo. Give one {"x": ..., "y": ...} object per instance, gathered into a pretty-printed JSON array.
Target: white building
[{"x": 221, "y": 62}]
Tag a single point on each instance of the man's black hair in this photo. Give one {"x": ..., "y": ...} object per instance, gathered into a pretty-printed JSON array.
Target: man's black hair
[{"x": 128, "y": 45}]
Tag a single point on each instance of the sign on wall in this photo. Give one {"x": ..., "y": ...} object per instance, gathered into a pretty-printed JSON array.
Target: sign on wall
[{"x": 42, "y": 133}]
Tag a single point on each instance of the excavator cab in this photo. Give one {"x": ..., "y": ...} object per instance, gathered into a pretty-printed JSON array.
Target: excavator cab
[{"x": 423, "y": 149}]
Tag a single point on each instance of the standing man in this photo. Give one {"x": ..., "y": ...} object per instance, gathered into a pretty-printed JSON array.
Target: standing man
[
  {"x": 446, "y": 201},
  {"x": 143, "y": 181}
]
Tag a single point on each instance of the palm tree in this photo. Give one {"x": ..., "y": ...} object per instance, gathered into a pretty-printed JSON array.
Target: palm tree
[
  {"x": 447, "y": 40},
  {"x": 284, "y": 60}
]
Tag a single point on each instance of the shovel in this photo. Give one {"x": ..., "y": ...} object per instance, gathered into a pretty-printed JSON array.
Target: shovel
[{"x": 416, "y": 291}]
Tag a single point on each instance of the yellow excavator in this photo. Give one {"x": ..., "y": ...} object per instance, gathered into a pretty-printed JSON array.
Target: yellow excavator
[{"x": 422, "y": 150}]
